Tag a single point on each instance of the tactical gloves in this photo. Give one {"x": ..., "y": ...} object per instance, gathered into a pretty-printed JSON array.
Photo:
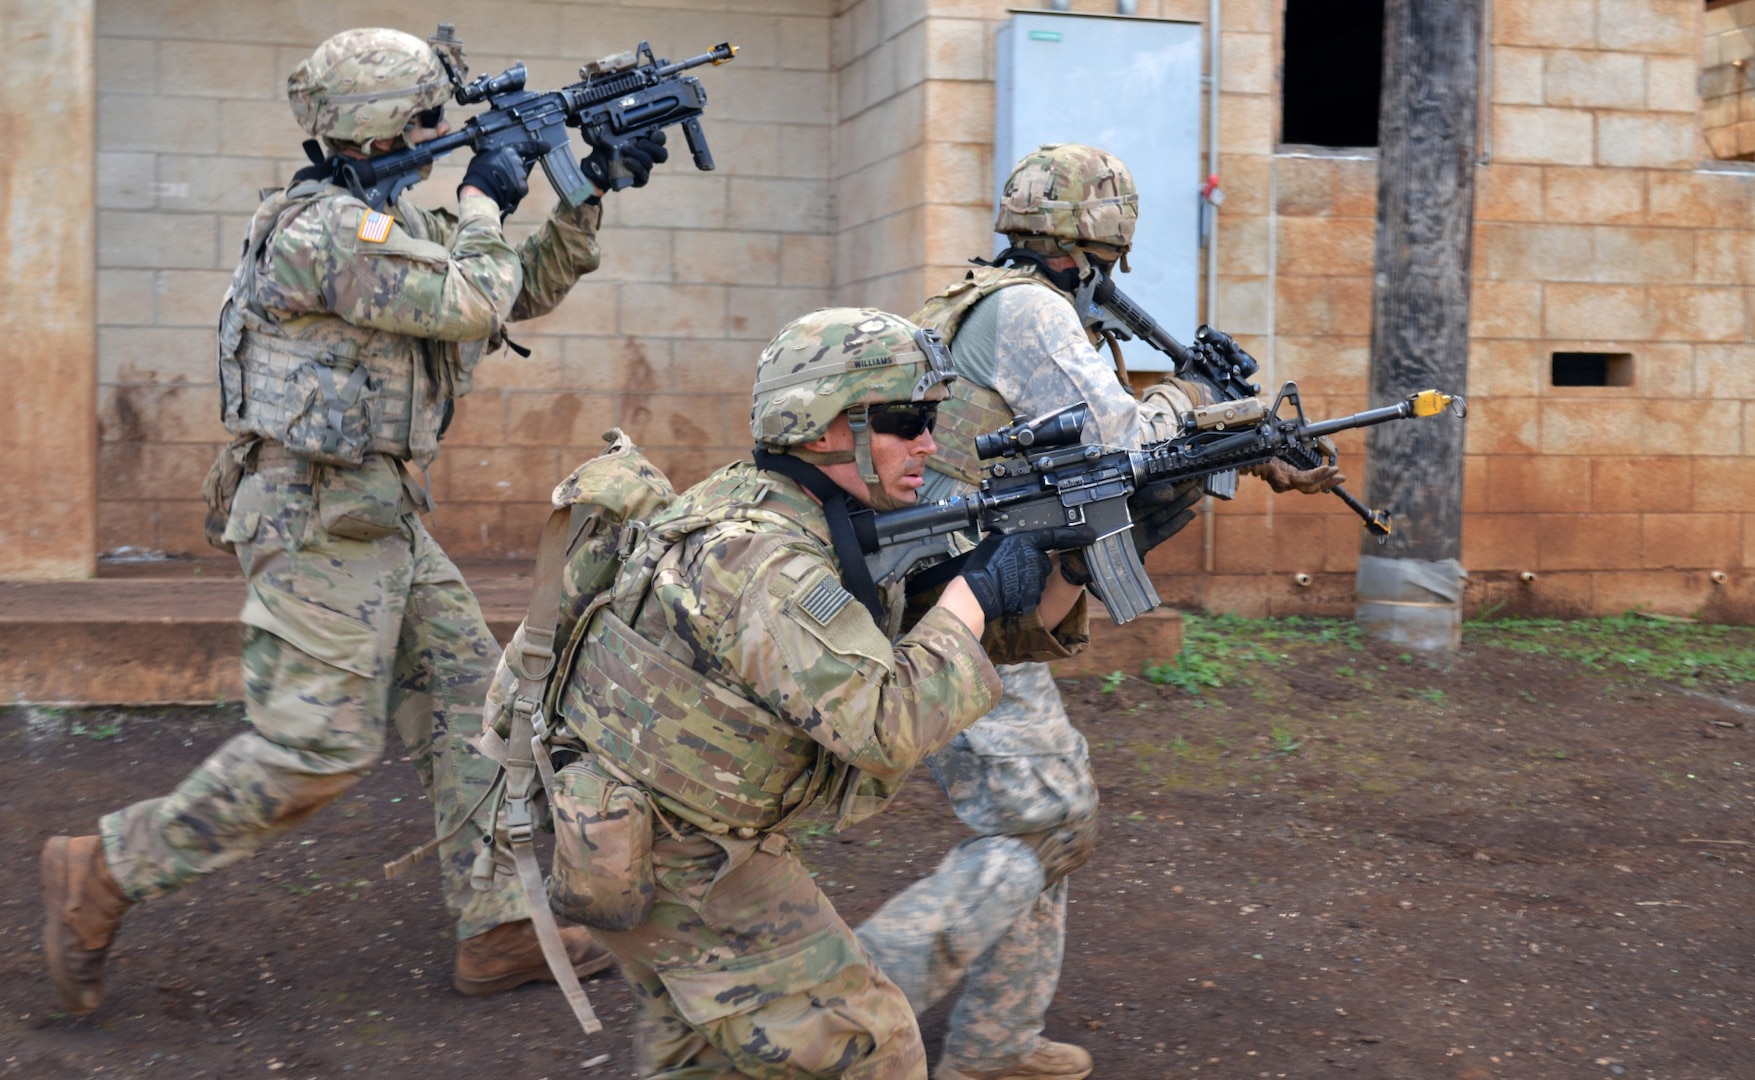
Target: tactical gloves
[
  {"x": 1008, "y": 573},
  {"x": 502, "y": 174},
  {"x": 1159, "y": 511},
  {"x": 635, "y": 164},
  {"x": 1283, "y": 477}
]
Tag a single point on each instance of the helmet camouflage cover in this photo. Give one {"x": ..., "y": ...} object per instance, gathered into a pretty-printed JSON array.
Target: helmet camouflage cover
[
  {"x": 366, "y": 84},
  {"x": 824, "y": 363},
  {"x": 1073, "y": 193}
]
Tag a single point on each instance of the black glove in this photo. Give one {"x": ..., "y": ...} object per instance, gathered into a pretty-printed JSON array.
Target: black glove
[
  {"x": 1159, "y": 511},
  {"x": 503, "y": 175},
  {"x": 637, "y": 160},
  {"x": 1008, "y": 573}
]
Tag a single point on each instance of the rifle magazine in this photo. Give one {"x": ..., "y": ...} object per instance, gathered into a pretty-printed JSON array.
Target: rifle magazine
[{"x": 1119, "y": 579}]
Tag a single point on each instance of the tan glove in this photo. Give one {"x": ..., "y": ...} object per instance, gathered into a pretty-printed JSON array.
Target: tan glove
[{"x": 1282, "y": 477}]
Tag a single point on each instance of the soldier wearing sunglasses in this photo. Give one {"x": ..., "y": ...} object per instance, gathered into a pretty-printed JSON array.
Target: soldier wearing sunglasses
[{"x": 746, "y": 668}]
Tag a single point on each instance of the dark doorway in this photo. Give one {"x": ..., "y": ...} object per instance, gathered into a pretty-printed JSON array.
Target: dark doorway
[{"x": 1333, "y": 72}]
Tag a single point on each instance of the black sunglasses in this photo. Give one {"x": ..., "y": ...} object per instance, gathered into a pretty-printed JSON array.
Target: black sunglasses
[
  {"x": 903, "y": 419},
  {"x": 430, "y": 118}
]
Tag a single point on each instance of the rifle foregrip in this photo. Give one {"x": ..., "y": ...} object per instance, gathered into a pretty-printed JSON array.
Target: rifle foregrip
[
  {"x": 1118, "y": 577},
  {"x": 697, "y": 140}
]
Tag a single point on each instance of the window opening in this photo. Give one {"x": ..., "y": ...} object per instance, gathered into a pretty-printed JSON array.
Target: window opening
[
  {"x": 1592, "y": 369},
  {"x": 1333, "y": 72}
]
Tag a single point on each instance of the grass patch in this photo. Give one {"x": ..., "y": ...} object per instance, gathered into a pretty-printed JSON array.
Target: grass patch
[
  {"x": 1684, "y": 653},
  {"x": 1217, "y": 649}
]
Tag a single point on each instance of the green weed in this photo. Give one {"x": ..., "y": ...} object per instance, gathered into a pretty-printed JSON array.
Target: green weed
[
  {"x": 1112, "y": 681},
  {"x": 1284, "y": 742}
]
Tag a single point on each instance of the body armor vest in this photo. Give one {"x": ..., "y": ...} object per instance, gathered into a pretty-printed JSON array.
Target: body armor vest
[
  {"x": 330, "y": 391},
  {"x": 971, "y": 409},
  {"x": 711, "y": 756}
]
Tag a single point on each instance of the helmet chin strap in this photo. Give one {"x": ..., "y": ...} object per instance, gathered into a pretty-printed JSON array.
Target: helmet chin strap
[{"x": 874, "y": 484}]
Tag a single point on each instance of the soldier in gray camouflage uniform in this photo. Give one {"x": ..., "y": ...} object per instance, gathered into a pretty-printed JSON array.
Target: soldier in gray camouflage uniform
[
  {"x": 1020, "y": 777},
  {"x": 732, "y": 678},
  {"x": 345, "y": 336}
]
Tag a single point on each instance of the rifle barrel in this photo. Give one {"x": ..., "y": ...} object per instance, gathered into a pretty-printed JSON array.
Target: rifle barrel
[
  {"x": 1368, "y": 418},
  {"x": 719, "y": 54}
]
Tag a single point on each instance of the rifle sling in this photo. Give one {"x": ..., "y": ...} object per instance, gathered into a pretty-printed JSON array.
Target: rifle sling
[{"x": 838, "y": 508}]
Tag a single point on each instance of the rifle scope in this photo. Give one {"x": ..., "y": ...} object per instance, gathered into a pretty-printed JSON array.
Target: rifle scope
[
  {"x": 1062, "y": 427},
  {"x": 505, "y": 82}
]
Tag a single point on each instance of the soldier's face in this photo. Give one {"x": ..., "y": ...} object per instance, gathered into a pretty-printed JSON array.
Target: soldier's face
[{"x": 900, "y": 463}]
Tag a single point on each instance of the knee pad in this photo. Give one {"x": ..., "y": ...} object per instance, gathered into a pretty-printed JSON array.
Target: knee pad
[{"x": 1064, "y": 848}]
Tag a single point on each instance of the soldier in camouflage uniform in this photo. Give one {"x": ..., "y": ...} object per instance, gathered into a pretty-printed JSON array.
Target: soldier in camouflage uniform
[
  {"x": 743, "y": 668},
  {"x": 345, "y": 336},
  {"x": 1020, "y": 777}
]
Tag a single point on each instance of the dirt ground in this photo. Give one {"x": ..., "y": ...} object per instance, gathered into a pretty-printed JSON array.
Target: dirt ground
[{"x": 1509, "y": 863}]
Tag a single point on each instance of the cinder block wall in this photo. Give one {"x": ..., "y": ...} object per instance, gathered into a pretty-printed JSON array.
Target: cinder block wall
[
  {"x": 855, "y": 148},
  {"x": 1727, "y": 79},
  {"x": 1598, "y": 231},
  {"x": 699, "y": 269}
]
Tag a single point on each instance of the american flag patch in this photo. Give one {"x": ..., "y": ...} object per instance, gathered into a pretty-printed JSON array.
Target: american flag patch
[
  {"x": 825, "y": 601},
  {"x": 375, "y": 227}
]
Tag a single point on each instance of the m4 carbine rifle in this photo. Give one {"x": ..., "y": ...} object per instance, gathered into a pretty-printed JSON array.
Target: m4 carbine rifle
[
  {"x": 1045, "y": 476},
  {"x": 616, "y": 100}
]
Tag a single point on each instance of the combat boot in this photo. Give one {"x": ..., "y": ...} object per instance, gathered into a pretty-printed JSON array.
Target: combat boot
[
  {"x": 1049, "y": 1061},
  {"x": 82, "y": 906},
  {"x": 509, "y": 955}
]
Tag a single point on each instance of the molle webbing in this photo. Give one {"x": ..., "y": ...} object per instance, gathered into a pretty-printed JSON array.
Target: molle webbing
[
  {"x": 970, "y": 411},
  {"x": 268, "y": 376},
  {"x": 684, "y": 735},
  {"x": 946, "y": 311}
]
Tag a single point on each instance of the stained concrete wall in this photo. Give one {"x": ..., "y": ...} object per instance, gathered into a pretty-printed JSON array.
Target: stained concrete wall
[{"x": 47, "y": 508}]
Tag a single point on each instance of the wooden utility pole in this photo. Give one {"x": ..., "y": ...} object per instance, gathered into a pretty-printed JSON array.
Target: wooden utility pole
[{"x": 1410, "y": 587}]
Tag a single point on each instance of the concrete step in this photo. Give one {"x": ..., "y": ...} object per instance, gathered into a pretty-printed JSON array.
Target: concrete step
[{"x": 167, "y": 633}]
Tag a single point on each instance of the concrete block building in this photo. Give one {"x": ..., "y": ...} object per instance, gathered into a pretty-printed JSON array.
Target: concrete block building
[{"x": 1612, "y": 377}]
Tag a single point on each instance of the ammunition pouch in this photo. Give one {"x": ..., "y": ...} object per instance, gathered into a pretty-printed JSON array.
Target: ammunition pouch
[
  {"x": 313, "y": 400},
  {"x": 602, "y": 874}
]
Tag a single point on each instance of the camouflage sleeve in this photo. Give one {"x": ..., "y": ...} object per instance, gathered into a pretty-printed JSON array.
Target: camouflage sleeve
[
  {"x": 1024, "y": 640},
  {"x": 341, "y": 257},
  {"x": 1038, "y": 325},
  {"x": 806, "y": 649},
  {"x": 555, "y": 256}
]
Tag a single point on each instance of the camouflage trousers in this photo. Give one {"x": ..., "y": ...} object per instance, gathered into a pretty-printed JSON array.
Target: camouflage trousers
[
  {"x": 353, "y": 617},
  {"x": 989, "y": 912},
  {"x": 745, "y": 970}
]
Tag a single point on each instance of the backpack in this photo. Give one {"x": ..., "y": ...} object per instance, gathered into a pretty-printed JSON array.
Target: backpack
[{"x": 599, "y": 515}]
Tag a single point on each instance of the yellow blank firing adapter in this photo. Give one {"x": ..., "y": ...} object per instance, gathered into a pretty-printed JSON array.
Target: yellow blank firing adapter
[
  {"x": 1433, "y": 402},
  {"x": 726, "y": 46}
]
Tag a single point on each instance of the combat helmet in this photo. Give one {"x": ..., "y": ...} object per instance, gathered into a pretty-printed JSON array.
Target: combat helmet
[
  {"x": 1070, "y": 199},
  {"x": 366, "y": 84},
  {"x": 843, "y": 360}
]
